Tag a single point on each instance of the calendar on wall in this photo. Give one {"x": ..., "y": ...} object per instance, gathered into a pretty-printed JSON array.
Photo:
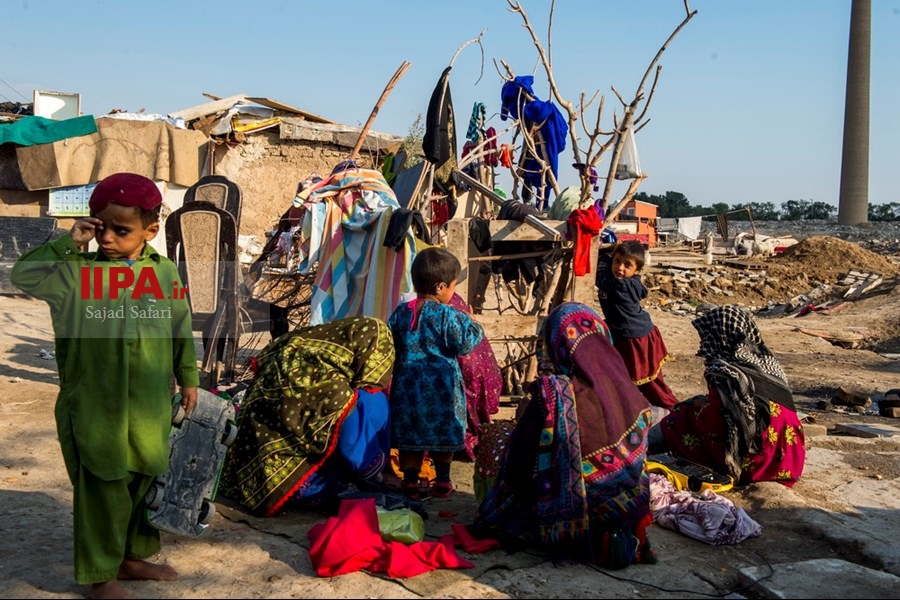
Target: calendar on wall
[{"x": 70, "y": 201}]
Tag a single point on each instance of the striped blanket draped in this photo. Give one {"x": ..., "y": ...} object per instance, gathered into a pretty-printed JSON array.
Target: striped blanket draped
[{"x": 343, "y": 231}]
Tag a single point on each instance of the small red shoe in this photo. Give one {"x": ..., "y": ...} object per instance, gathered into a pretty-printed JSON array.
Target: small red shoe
[
  {"x": 442, "y": 489},
  {"x": 416, "y": 490}
]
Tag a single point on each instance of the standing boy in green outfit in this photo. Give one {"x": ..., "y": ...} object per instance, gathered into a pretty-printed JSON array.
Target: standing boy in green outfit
[{"x": 123, "y": 328}]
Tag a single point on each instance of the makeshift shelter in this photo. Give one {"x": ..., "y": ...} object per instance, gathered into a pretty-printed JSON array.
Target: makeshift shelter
[
  {"x": 48, "y": 168},
  {"x": 258, "y": 145},
  {"x": 264, "y": 146},
  {"x": 267, "y": 147}
]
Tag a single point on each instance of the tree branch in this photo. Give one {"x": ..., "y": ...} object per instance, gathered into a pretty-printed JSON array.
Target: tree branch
[
  {"x": 476, "y": 40},
  {"x": 565, "y": 104},
  {"x": 634, "y": 112}
]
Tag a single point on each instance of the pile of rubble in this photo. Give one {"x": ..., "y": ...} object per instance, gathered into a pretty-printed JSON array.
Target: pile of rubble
[
  {"x": 857, "y": 402},
  {"x": 678, "y": 287},
  {"x": 686, "y": 291},
  {"x": 881, "y": 237},
  {"x": 815, "y": 270}
]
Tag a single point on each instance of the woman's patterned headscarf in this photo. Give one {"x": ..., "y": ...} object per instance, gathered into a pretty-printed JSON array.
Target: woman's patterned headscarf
[
  {"x": 563, "y": 330},
  {"x": 576, "y": 458},
  {"x": 730, "y": 334}
]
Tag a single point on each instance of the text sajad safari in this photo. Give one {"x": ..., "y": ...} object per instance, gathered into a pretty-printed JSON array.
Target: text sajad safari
[{"x": 134, "y": 312}]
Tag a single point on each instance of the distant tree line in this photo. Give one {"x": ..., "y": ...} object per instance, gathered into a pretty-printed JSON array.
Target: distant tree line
[{"x": 675, "y": 204}]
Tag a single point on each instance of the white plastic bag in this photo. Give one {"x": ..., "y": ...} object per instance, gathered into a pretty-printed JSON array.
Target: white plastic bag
[{"x": 629, "y": 166}]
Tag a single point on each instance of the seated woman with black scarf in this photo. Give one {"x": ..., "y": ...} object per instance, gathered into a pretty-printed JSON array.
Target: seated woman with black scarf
[{"x": 746, "y": 426}]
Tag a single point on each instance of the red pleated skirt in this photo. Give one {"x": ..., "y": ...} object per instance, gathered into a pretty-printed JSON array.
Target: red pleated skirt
[{"x": 644, "y": 357}]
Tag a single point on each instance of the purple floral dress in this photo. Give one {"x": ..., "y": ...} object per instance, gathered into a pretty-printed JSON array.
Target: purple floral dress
[{"x": 483, "y": 382}]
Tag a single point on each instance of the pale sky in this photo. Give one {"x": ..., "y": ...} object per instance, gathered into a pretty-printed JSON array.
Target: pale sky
[{"x": 749, "y": 107}]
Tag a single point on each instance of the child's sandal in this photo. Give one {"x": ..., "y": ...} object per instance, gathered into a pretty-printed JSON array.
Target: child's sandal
[
  {"x": 412, "y": 490},
  {"x": 442, "y": 489}
]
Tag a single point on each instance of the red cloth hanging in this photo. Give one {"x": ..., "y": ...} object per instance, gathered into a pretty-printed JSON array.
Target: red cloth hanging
[
  {"x": 440, "y": 213},
  {"x": 505, "y": 155},
  {"x": 585, "y": 223},
  {"x": 491, "y": 157}
]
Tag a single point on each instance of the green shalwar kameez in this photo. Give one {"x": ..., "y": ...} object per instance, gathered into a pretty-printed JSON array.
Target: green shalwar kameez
[{"x": 116, "y": 358}]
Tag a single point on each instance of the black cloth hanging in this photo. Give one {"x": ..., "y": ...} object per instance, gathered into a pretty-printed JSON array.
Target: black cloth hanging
[
  {"x": 401, "y": 220},
  {"x": 439, "y": 142},
  {"x": 480, "y": 234}
]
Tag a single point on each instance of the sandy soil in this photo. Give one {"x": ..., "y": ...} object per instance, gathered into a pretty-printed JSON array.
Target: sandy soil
[{"x": 844, "y": 506}]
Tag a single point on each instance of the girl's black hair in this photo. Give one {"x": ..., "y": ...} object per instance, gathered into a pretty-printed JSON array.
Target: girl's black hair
[
  {"x": 433, "y": 266},
  {"x": 631, "y": 249}
]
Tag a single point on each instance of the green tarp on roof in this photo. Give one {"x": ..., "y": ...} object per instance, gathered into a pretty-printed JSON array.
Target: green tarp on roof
[{"x": 30, "y": 131}]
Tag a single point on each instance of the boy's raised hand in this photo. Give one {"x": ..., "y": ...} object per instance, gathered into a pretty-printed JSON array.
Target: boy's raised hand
[
  {"x": 84, "y": 230},
  {"x": 188, "y": 399}
]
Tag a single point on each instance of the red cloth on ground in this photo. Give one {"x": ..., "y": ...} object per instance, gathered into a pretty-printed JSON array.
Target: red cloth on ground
[
  {"x": 586, "y": 223},
  {"x": 462, "y": 538},
  {"x": 351, "y": 542}
]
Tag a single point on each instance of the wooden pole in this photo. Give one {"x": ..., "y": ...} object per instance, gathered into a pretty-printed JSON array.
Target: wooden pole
[
  {"x": 384, "y": 95},
  {"x": 752, "y": 224},
  {"x": 417, "y": 192}
]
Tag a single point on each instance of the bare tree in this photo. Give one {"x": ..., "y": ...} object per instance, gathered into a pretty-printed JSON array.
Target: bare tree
[{"x": 598, "y": 141}]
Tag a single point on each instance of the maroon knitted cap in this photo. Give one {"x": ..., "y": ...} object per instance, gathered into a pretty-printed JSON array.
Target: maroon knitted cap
[{"x": 125, "y": 189}]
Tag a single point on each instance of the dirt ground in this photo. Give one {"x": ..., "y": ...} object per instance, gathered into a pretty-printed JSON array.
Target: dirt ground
[{"x": 845, "y": 505}]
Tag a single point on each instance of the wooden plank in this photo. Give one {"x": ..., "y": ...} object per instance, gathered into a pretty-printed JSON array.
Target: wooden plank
[
  {"x": 870, "y": 283},
  {"x": 515, "y": 325},
  {"x": 684, "y": 266},
  {"x": 584, "y": 284},
  {"x": 546, "y": 228},
  {"x": 829, "y": 334},
  {"x": 459, "y": 244},
  {"x": 516, "y": 231},
  {"x": 208, "y": 108},
  {"x": 845, "y": 339},
  {"x": 285, "y": 108}
]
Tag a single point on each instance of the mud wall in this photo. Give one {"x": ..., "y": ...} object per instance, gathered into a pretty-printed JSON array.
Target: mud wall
[{"x": 268, "y": 169}]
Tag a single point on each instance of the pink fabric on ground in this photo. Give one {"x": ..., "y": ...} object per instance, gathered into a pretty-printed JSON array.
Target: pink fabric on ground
[{"x": 351, "y": 542}]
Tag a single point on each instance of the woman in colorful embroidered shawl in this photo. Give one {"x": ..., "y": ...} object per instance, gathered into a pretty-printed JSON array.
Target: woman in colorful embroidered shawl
[
  {"x": 481, "y": 376},
  {"x": 746, "y": 426},
  {"x": 315, "y": 415},
  {"x": 573, "y": 479}
]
